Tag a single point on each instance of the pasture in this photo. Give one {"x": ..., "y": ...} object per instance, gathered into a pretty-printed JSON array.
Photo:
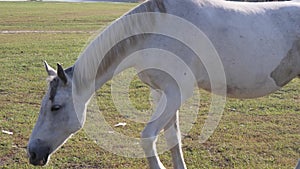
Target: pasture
[{"x": 259, "y": 133}]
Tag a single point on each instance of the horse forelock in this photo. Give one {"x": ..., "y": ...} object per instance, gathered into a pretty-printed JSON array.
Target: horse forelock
[{"x": 53, "y": 88}]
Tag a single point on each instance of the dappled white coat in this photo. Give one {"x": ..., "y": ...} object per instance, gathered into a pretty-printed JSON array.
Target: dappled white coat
[{"x": 252, "y": 40}]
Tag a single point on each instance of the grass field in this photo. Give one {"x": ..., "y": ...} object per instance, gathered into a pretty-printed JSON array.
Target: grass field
[{"x": 259, "y": 133}]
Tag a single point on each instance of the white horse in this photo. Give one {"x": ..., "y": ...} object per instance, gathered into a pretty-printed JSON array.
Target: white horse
[{"x": 258, "y": 45}]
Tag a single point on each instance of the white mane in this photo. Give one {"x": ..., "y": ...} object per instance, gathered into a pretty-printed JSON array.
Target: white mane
[{"x": 103, "y": 50}]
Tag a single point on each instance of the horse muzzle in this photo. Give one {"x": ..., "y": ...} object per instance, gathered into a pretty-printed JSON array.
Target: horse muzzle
[{"x": 38, "y": 152}]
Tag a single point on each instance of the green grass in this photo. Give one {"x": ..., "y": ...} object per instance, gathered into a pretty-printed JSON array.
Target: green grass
[
  {"x": 59, "y": 16},
  {"x": 258, "y": 133}
]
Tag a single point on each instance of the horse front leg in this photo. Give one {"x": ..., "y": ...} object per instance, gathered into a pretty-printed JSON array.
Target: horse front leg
[
  {"x": 165, "y": 111},
  {"x": 173, "y": 137}
]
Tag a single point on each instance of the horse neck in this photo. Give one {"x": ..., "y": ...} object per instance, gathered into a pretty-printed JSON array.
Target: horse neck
[{"x": 98, "y": 62}]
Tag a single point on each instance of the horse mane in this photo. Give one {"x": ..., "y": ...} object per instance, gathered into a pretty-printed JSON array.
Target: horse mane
[{"x": 101, "y": 52}]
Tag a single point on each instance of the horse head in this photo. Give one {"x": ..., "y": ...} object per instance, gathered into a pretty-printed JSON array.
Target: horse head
[{"x": 57, "y": 119}]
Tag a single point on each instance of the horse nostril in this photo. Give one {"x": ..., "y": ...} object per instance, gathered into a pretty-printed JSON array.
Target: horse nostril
[{"x": 33, "y": 155}]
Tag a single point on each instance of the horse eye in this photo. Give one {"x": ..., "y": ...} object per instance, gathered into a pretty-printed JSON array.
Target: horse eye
[{"x": 55, "y": 107}]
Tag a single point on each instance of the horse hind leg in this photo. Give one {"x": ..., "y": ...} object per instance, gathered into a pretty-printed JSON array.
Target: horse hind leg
[
  {"x": 289, "y": 67},
  {"x": 165, "y": 111},
  {"x": 173, "y": 137}
]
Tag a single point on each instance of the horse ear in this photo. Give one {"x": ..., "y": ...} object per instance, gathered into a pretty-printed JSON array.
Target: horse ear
[
  {"x": 49, "y": 69},
  {"x": 61, "y": 73}
]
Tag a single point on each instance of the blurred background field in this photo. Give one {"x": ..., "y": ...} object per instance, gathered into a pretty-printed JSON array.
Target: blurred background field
[{"x": 259, "y": 133}]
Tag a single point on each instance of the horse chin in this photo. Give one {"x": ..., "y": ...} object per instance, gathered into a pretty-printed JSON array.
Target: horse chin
[{"x": 45, "y": 160}]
